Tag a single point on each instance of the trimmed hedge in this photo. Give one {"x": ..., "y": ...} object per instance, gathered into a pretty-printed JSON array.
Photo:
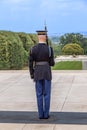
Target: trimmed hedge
[
  {"x": 14, "y": 49},
  {"x": 72, "y": 48},
  {"x": 12, "y": 53},
  {"x": 26, "y": 41}
]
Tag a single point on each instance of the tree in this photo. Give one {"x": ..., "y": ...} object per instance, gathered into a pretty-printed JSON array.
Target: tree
[
  {"x": 74, "y": 38},
  {"x": 34, "y": 38},
  {"x": 71, "y": 38},
  {"x": 26, "y": 41},
  {"x": 11, "y": 51},
  {"x": 71, "y": 49}
]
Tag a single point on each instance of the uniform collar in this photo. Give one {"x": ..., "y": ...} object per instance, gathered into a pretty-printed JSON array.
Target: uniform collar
[{"x": 42, "y": 43}]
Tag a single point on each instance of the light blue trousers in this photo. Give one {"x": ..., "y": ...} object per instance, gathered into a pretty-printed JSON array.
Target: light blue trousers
[{"x": 43, "y": 92}]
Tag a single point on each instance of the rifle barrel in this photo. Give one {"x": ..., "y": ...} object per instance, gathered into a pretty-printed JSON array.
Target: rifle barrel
[{"x": 46, "y": 35}]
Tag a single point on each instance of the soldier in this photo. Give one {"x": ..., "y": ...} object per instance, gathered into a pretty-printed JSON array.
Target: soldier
[{"x": 40, "y": 71}]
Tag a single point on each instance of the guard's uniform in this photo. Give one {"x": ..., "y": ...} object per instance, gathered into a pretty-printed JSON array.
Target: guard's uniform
[{"x": 40, "y": 70}]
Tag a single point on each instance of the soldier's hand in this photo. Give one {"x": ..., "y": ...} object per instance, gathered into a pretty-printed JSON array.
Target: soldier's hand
[{"x": 32, "y": 76}]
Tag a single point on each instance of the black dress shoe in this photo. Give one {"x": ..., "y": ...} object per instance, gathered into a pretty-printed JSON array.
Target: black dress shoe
[
  {"x": 47, "y": 117},
  {"x": 41, "y": 117}
]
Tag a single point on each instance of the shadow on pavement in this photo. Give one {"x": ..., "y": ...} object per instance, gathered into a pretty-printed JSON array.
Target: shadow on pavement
[{"x": 32, "y": 117}]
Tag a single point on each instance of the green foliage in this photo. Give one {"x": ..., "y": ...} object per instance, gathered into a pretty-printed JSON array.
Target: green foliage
[
  {"x": 26, "y": 41},
  {"x": 4, "y": 61},
  {"x": 33, "y": 38},
  {"x": 11, "y": 51},
  {"x": 68, "y": 65},
  {"x": 14, "y": 49},
  {"x": 71, "y": 38},
  {"x": 57, "y": 49},
  {"x": 16, "y": 55},
  {"x": 70, "y": 49},
  {"x": 74, "y": 38},
  {"x": 85, "y": 50}
]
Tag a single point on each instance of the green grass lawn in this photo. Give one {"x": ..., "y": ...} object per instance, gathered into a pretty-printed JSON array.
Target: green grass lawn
[{"x": 68, "y": 65}]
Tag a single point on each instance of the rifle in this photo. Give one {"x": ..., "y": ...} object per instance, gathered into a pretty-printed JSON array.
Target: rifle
[
  {"x": 46, "y": 35},
  {"x": 51, "y": 57}
]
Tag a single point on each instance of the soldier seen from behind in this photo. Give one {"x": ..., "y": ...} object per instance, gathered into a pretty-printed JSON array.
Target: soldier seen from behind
[{"x": 41, "y": 58}]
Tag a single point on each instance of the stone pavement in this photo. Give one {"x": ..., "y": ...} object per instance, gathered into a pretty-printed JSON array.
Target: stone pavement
[{"x": 18, "y": 108}]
